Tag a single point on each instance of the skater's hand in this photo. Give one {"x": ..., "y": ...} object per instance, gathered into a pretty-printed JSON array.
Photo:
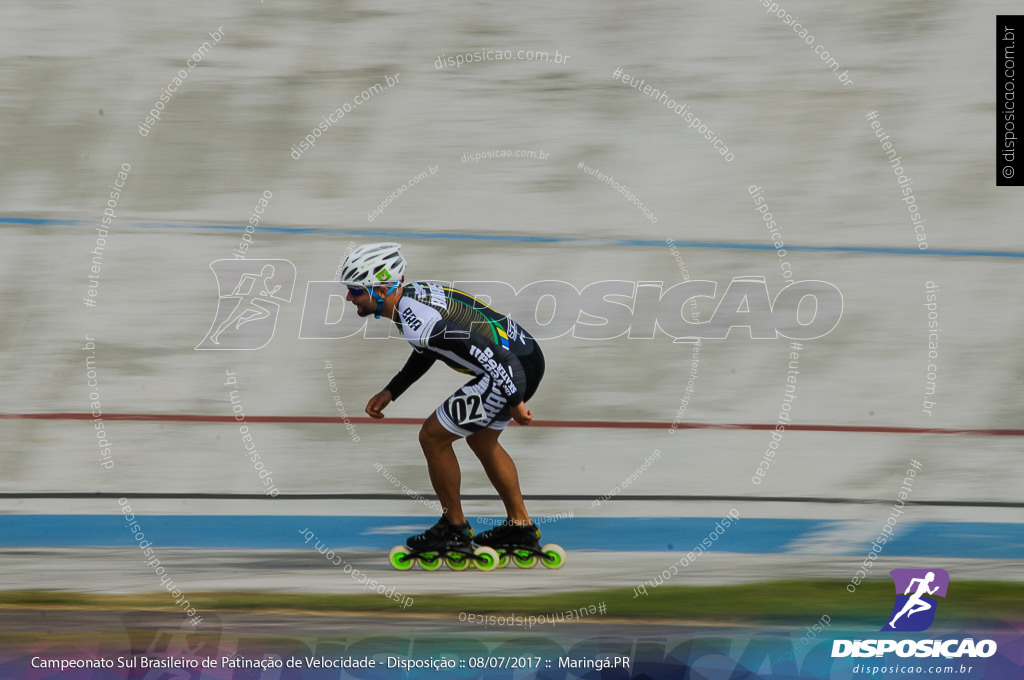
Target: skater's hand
[
  {"x": 521, "y": 414},
  {"x": 378, "y": 402}
]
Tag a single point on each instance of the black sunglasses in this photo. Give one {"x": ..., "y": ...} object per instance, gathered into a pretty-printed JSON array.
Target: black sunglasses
[{"x": 356, "y": 292}]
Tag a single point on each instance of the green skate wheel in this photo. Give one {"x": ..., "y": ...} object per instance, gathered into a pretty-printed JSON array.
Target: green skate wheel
[
  {"x": 524, "y": 559},
  {"x": 503, "y": 560},
  {"x": 430, "y": 561},
  {"x": 458, "y": 562},
  {"x": 486, "y": 558},
  {"x": 399, "y": 558},
  {"x": 554, "y": 556}
]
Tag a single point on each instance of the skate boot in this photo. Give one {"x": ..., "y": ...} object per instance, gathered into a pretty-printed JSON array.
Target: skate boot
[
  {"x": 520, "y": 543},
  {"x": 442, "y": 536},
  {"x": 443, "y": 543}
]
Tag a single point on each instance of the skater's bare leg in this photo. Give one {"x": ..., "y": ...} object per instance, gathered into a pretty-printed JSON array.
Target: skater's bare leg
[
  {"x": 501, "y": 470},
  {"x": 443, "y": 466}
]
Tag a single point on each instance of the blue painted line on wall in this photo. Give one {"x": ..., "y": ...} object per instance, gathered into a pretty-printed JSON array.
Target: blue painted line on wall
[
  {"x": 522, "y": 238},
  {"x": 755, "y": 536}
]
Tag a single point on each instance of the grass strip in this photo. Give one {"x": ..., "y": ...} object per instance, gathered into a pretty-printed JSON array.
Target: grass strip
[{"x": 782, "y": 602}]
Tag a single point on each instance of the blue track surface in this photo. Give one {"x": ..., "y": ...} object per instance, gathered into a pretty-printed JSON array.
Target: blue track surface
[{"x": 757, "y": 536}]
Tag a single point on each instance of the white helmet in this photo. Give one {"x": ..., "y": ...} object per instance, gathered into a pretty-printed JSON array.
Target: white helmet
[{"x": 373, "y": 264}]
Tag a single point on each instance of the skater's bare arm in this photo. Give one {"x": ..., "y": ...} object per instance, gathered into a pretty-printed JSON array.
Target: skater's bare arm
[{"x": 378, "y": 402}]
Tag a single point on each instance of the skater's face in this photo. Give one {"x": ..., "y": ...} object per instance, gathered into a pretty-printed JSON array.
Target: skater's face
[{"x": 364, "y": 303}]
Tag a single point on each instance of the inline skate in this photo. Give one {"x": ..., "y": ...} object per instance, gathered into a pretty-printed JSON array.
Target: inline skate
[
  {"x": 443, "y": 543},
  {"x": 520, "y": 544}
]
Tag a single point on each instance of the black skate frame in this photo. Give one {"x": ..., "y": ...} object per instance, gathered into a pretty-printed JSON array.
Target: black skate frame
[
  {"x": 510, "y": 548},
  {"x": 443, "y": 553}
]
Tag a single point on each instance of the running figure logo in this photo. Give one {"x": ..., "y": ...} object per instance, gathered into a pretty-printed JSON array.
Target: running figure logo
[
  {"x": 913, "y": 612},
  {"x": 251, "y": 293}
]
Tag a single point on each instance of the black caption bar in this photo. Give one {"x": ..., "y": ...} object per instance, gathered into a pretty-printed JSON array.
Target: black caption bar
[{"x": 1008, "y": 28}]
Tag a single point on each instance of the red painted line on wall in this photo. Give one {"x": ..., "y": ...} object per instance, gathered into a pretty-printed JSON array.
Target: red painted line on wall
[{"x": 595, "y": 424}]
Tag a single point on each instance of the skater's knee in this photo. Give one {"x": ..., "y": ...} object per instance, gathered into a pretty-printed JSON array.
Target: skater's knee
[
  {"x": 428, "y": 440},
  {"x": 432, "y": 441}
]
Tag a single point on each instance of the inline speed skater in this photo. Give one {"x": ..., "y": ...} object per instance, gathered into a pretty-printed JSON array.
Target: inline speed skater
[{"x": 506, "y": 366}]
